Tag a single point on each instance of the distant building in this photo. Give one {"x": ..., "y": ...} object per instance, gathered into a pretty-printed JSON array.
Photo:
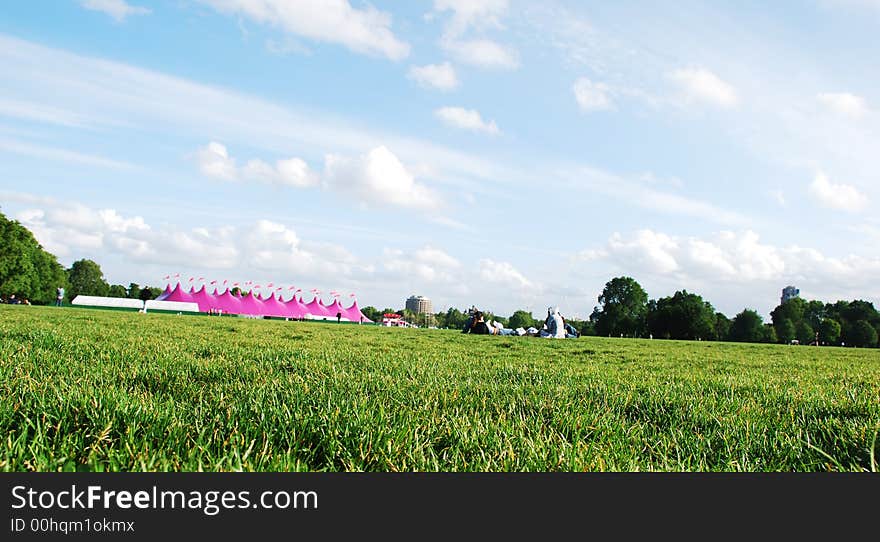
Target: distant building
[
  {"x": 789, "y": 293},
  {"x": 419, "y": 304}
]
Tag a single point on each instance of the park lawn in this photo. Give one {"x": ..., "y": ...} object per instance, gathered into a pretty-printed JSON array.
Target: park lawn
[{"x": 99, "y": 390}]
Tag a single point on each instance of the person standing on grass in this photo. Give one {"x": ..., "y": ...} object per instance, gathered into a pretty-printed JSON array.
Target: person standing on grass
[
  {"x": 338, "y": 317},
  {"x": 59, "y": 296}
]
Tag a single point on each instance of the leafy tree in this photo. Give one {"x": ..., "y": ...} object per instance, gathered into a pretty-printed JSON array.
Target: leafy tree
[
  {"x": 747, "y": 326},
  {"x": 149, "y": 292},
  {"x": 587, "y": 328},
  {"x": 682, "y": 316},
  {"x": 372, "y": 313},
  {"x": 237, "y": 291},
  {"x": 792, "y": 310},
  {"x": 768, "y": 334},
  {"x": 455, "y": 319},
  {"x": 134, "y": 291},
  {"x": 117, "y": 290},
  {"x": 785, "y": 330},
  {"x": 862, "y": 334},
  {"x": 624, "y": 308},
  {"x": 814, "y": 312},
  {"x": 829, "y": 331},
  {"x": 27, "y": 270},
  {"x": 860, "y": 310},
  {"x": 523, "y": 319},
  {"x": 722, "y": 326},
  {"x": 805, "y": 333},
  {"x": 86, "y": 278}
]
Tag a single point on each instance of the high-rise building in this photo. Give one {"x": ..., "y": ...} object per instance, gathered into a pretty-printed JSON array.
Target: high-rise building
[
  {"x": 789, "y": 293},
  {"x": 419, "y": 304}
]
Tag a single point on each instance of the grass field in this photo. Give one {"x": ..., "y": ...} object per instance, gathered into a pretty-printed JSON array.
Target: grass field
[{"x": 98, "y": 390}]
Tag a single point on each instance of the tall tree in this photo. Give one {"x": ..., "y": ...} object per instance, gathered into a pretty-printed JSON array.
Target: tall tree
[
  {"x": 86, "y": 278},
  {"x": 134, "y": 291},
  {"x": 523, "y": 319},
  {"x": 747, "y": 326},
  {"x": 862, "y": 334},
  {"x": 805, "y": 334},
  {"x": 722, "y": 326},
  {"x": 682, "y": 316},
  {"x": 624, "y": 308},
  {"x": 27, "y": 270},
  {"x": 785, "y": 330},
  {"x": 117, "y": 290},
  {"x": 829, "y": 331}
]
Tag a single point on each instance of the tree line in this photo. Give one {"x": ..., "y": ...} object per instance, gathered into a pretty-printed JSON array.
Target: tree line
[{"x": 624, "y": 310}]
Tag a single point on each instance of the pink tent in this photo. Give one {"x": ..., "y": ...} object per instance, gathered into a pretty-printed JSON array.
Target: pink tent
[
  {"x": 205, "y": 300},
  {"x": 318, "y": 310},
  {"x": 227, "y": 302},
  {"x": 251, "y": 305},
  {"x": 354, "y": 313},
  {"x": 295, "y": 308},
  {"x": 177, "y": 294},
  {"x": 273, "y": 307},
  {"x": 335, "y": 308},
  {"x": 164, "y": 295}
]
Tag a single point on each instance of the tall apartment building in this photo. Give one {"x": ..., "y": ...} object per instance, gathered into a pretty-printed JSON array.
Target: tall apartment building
[
  {"x": 419, "y": 304},
  {"x": 788, "y": 293}
]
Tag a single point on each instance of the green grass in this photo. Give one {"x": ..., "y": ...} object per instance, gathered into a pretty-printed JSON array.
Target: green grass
[{"x": 97, "y": 390}]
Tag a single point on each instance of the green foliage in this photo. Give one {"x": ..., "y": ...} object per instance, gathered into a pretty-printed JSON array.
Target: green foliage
[
  {"x": 785, "y": 330},
  {"x": 805, "y": 333},
  {"x": 119, "y": 391},
  {"x": 148, "y": 292},
  {"x": 747, "y": 326},
  {"x": 722, "y": 326},
  {"x": 624, "y": 309},
  {"x": 862, "y": 334},
  {"x": 86, "y": 278},
  {"x": 829, "y": 331},
  {"x": 134, "y": 291},
  {"x": 117, "y": 290},
  {"x": 768, "y": 334},
  {"x": 683, "y": 316},
  {"x": 523, "y": 319},
  {"x": 26, "y": 270}
]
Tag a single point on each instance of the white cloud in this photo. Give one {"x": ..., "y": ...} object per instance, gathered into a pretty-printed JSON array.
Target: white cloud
[
  {"x": 466, "y": 119},
  {"x": 844, "y": 103},
  {"x": 483, "y": 53},
  {"x": 698, "y": 84},
  {"x": 365, "y": 30},
  {"x": 842, "y": 197},
  {"x": 592, "y": 96},
  {"x": 377, "y": 177},
  {"x": 437, "y": 76},
  {"x": 427, "y": 264},
  {"x": 118, "y": 9},
  {"x": 476, "y": 16},
  {"x": 735, "y": 267},
  {"x": 214, "y": 162},
  {"x": 289, "y": 172},
  {"x": 504, "y": 274}
]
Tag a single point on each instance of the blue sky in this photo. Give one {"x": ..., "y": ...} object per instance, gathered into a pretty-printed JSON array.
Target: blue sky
[{"x": 491, "y": 152}]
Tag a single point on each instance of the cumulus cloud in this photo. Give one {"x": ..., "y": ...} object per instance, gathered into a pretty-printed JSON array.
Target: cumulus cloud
[
  {"x": 214, "y": 162},
  {"x": 844, "y": 103},
  {"x": 426, "y": 265},
  {"x": 737, "y": 265},
  {"x": 74, "y": 231},
  {"x": 701, "y": 85},
  {"x": 842, "y": 197},
  {"x": 436, "y": 76},
  {"x": 483, "y": 53},
  {"x": 366, "y": 30},
  {"x": 592, "y": 96},
  {"x": 466, "y": 119},
  {"x": 377, "y": 177},
  {"x": 504, "y": 274},
  {"x": 118, "y": 9}
]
